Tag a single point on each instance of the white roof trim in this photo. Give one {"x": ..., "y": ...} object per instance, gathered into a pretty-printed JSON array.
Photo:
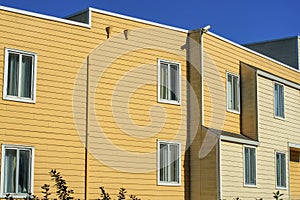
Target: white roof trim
[
  {"x": 138, "y": 20},
  {"x": 293, "y": 145},
  {"x": 239, "y": 140},
  {"x": 251, "y": 51},
  {"x": 278, "y": 79},
  {"x": 66, "y": 21}
]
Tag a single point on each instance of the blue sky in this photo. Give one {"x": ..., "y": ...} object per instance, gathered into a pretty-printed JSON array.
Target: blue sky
[{"x": 241, "y": 21}]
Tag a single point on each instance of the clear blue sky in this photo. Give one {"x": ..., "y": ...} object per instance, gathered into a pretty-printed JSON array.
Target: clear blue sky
[{"x": 241, "y": 21}]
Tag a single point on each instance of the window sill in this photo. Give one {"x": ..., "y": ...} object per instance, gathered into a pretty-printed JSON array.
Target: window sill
[
  {"x": 281, "y": 188},
  {"x": 280, "y": 118},
  {"x": 168, "y": 184},
  {"x": 14, "y": 195},
  {"x": 18, "y": 99},
  {"x": 233, "y": 111},
  {"x": 169, "y": 102},
  {"x": 250, "y": 186}
]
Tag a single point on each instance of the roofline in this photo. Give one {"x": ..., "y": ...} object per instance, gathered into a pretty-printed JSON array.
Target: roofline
[
  {"x": 138, "y": 20},
  {"x": 42, "y": 16},
  {"x": 251, "y": 51},
  {"x": 272, "y": 40}
]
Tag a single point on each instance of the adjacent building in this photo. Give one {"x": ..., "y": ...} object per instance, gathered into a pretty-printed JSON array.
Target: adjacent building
[{"x": 166, "y": 113}]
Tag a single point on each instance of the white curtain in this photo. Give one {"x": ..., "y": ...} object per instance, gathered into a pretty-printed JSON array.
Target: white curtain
[
  {"x": 25, "y": 78},
  {"x": 163, "y": 162},
  {"x": 10, "y": 171},
  {"x": 13, "y": 74},
  {"x": 164, "y": 81}
]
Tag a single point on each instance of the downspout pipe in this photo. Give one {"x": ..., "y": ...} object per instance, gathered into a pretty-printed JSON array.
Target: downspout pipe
[{"x": 201, "y": 33}]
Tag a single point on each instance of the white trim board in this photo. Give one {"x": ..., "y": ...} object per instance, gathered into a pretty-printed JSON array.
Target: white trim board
[
  {"x": 278, "y": 79},
  {"x": 239, "y": 140}
]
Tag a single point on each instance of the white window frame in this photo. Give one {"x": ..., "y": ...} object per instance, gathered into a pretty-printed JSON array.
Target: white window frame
[
  {"x": 159, "y": 99},
  {"x": 283, "y": 90},
  {"x": 227, "y": 87},
  {"x": 158, "y": 164},
  {"x": 33, "y": 84},
  {"x": 246, "y": 184},
  {"x": 286, "y": 172},
  {"x": 17, "y": 147}
]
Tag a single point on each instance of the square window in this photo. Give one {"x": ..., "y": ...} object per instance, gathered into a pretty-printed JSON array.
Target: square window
[
  {"x": 250, "y": 166},
  {"x": 19, "y": 76},
  {"x": 17, "y": 170},
  {"x": 169, "y": 159},
  {"x": 280, "y": 170},
  {"x": 168, "y": 82},
  {"x": 279, "y": 100},
  {"x": 233, "y": 93}
]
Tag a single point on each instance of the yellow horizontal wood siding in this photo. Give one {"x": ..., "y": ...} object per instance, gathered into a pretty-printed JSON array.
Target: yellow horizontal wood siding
[
  {"x": 124, "y": 91},
  {"x": 220, "y": 57},
  {"x": 295, "y": 174},
  {"x": 57, "y": 133}
]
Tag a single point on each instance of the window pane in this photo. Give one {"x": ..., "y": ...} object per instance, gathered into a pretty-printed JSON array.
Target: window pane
[
  {"x": 283, "y": 171},
  {"x": 26, "y": 76},
  {"x": 174, "y": 82},
  {"x": 247, "y": 164},
  {"x": 279, "y": 100},
  {"x": 235, "y": 93},
  {"x": 13, "y": 74},
  {"x": 163, "y": 162},
  {"x": 24, "y": 171},
  {"x": 174, "y": 163},
  {"x": 229, "y": 92},
  {"x": 10, "y": 163},
  {"x": 163, "y": 81},
  {"x": 252, "y": 167}
]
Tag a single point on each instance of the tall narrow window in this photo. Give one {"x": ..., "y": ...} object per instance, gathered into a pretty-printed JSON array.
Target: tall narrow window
[
  {"x": 17, "y": 170},
  {"x": 279, "y": 100},
  {"x": 250, "y": 166},
  {"x": 19, "y": 79},
  {"x": 168, "y": 163},
  {"x": 280, "y": 170},
  {"x": 169, "y": 82},
  {"x": 233, "y": 93}
]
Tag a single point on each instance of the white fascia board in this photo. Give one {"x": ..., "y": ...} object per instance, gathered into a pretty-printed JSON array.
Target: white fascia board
[
  {"x": 278, "y": 79},
  {"x": 239, "y": 140},
  {"x": 294, "y": 145},
  {"x": 251, "y": 51},
  {"x": 42, "y": 16},
  {"x": 138, "y": 20}
]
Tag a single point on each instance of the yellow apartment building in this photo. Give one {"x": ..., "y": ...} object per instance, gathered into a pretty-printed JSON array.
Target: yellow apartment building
[
  {"x": 166, "y": 113},
  {"x": 100, "y": 97},
  {"x": 248, "y": 146}
]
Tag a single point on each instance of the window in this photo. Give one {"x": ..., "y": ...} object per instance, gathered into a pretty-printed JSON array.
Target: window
[
  {"x": 280, "y": 170},
  {"x": 250, "y": 166},
  {"x": 169, "y": 82},
  {"x": 19, "y": 79},
  {"x": 233, "y": 93},
  {"x": 17, "y": 170},
  {"x": 279, "y": 100},
  {"x": 168, "y": 163}
]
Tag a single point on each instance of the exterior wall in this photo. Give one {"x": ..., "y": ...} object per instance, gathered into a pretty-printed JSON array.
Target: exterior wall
[
  {"x": 48, "y": 125},
  {"x": 128, "y": 120},
  {"x": 295, "y": 173},
  {"x": 221, "y": 56},
  {"x": 274, "y": 135},
  {"x": 284, "y": 50},
  {"x": 132, "y": 120}
]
